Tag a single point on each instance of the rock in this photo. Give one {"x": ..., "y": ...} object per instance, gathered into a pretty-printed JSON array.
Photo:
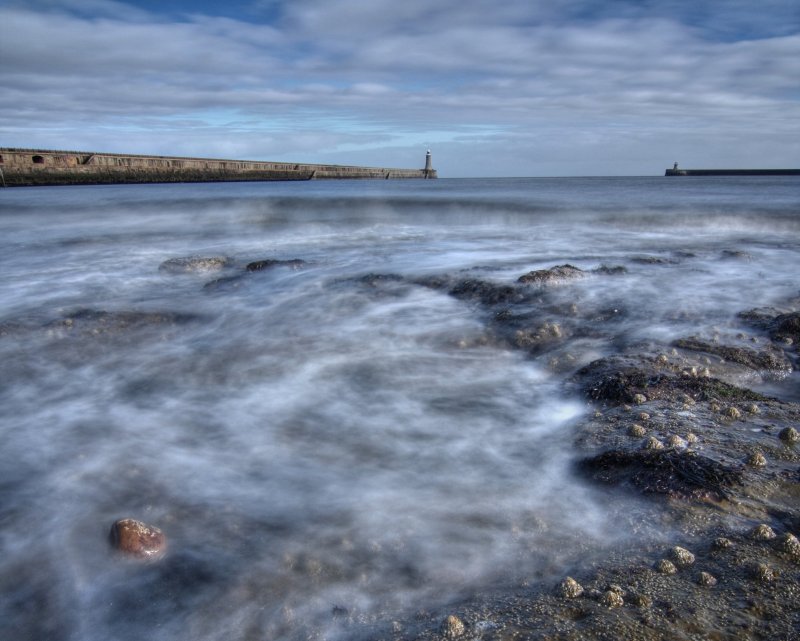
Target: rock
[
  {"x": 665, "y": 566},
  {"x": 612, "y": 599},
  {"x": 676, "y": 473},
  {"x": 138, "y": 539},
  {"x": 610, "y": 270},
  {"x": 557, "y": 274},
  {"x": 570, "y": 588},
  {"x": 756, "y": 459},
  {"x": 652, "y": 443},
  {"x": 768, "y": 360},
  {"x": 721, "y": 543},
  {"x": 763, "y": 573},
  {"x": 261, "y": 265},
  {"x": 681, "y": 556},
  {"x": 92, "y": 322},
  {"x": 676, "y": 442},
  {"x": 762, "y": 532},
  {"x": 789, "y": 435},
  {"x": 789, "y": 544},
  {"x": 194, "y": 264},
  {"x": 485, "y": 292},
  {"x": 752, "y": 408},
  {"x": 638, "y": 399},
  {"x": 706, "y": 579},
  {"x": 637, "y": 430},
  {"x": 732, "y": 412},
  {"x": 786, "y": 326},
  {"x": 452, "y": 627}
]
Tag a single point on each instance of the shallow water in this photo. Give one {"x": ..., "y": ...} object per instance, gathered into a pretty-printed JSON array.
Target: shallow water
[{"x": 316, "y": 445}]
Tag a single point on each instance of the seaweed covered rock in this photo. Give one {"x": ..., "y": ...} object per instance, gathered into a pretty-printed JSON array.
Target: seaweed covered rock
[
  {"x": 485, "y": 292},
  {"x": 769, "y": 359},
  {"x": 786, "y": 326},
  {"x": 674, "y": 473},
  {"x": 620, "y": 379},
  {"x": 194, "y": 264},
  {"x": 99, "y": 322},
  {"x": 557, "y": 274},
  {"x": 261, "y": 265}
]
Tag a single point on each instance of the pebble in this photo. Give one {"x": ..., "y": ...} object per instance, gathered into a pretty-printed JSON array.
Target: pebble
[
  {"x": 570, "y": 588},
  {"x": 639, "y": 399},
  {"x": 790, "y": 545},
  {"x": 681, "y": 556},
  {"x": 706, "y": 579},
  {"x": 756, "y": 459},
  {"x": 789, "y": 434},
  {"x": 692, "y": 438},
  {"x": 452, "y": 627},
  {"x": 612, "y": 599},
  {"x": 762, "y": 532},
  {"x": 753, "y": 408},
  {"x": 732, "y": 412},
  {"x": 722, "y": 543},
  {"x": 637, "y": 430},
  {"x": 676, "y": 441},
  {"x": 138, "y": 539},
  {"x": 652, "y": 443},
  {"x": 644, "y": 416},
  {"x": 762, "y": 572},
  {"x": 665, "y": 566}
]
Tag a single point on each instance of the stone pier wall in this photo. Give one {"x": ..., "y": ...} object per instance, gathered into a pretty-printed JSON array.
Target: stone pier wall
[{"x": 29, "y": 167}]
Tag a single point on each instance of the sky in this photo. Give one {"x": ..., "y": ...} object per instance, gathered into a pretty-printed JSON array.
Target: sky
[{"x": 492, "y": 87}]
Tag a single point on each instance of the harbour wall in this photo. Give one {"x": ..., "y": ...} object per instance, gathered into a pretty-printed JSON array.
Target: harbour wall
[
  {"x": 732, "y": 172},
  {"x": 32, "y": 167}
]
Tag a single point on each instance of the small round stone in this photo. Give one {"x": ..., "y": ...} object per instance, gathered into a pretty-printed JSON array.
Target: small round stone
[
  {"x": 789, "y": 435},
  {"x": 644, "y": 416},
  {"x": 642, "y": 600},
  {"x": 452, "y": 627},
  {"x": 570, "y": 588},
  {"x": 662, "y": 359},
  {"x": 612, "y": 599},
  {"x": 752, "y": 408},
  {"x": 763, "y": 573},
  {"x": 756, "y": 459},
  {"x": 692, "y": 438},
  {"x": 665, "y": 566},
  {"x": 706, "y": 579},
  {"x": 732, "y": 412},
  {"x": 681, "y": 556},
  {"x": 639, "y": 399},
  {"x": 676, "y": 442},
  {"x": 762, "y": 532},
  {"x": 652, "y": 443},
  {"x": 715, "y": 407},
  {"x": 138, "y": 539},
  {"x": 790, "y": 545},
  {"x": 721, "y": 543},
  {"x": 637, "y": 430}
]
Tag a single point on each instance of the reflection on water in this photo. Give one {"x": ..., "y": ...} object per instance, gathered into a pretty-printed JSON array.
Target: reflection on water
[{"x": 337, "y": 439}]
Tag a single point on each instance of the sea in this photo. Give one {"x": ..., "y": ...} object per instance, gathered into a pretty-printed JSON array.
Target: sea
[{"x": 332, "y": 441}]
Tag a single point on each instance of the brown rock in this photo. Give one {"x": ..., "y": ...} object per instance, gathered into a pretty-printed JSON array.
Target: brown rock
[
  {"x": 452, "y": 627},
  {"x": 138, "y": 539}
]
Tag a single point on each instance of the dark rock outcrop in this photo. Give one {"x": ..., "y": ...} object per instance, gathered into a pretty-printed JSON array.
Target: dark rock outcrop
[
  {"x": 557, "y": 274},
  {"x": 137, "y": 539}
]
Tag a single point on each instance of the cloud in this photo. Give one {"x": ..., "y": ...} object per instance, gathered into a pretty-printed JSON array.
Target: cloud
[{"x": 400, "y": 73}]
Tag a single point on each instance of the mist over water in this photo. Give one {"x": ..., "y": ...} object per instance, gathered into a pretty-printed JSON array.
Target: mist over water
[{"x": 335, "y": 439}]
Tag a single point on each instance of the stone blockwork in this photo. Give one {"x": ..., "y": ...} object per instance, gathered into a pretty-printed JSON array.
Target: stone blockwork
[{"x": 28, "y": 167}]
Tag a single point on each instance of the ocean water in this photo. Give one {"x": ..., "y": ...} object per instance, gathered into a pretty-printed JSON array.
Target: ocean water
[{"x": 338, "y": 440}]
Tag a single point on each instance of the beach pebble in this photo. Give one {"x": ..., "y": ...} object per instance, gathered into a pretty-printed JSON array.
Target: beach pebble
[
  {"x": 194, "y": 264},
  {"x": 138, "y": 539},
  {"x": 676, "y": 442},
  {"x": 756, "y": 459},
  {"x": 652, "y": 443},
  {"x": 452, "y": 627},
  {"x": 665, "y": 566},
  {"x": 732, "y": 412},
  {"x": 762, "y": 532},
  {"x": 706, "y": 579},
  {"x": 763, "y": 573},
  {"x": 644, "y": 416},
  {"x": 637, "y": 430},
  {"x": 790, "y": 544},
  {"x": 681, "y": 556},
  {"x": 752, "y": 408},
  {"x": 721, "y": 543},
  {"x": 639, "y": 399},
  {"x": 691, "y": 438},
  {"x": 789, "y": 434},
  {"x": 612, "y": 599},
  {"x": 715, "y": 407},
  {"x": 570, "y": 588}
]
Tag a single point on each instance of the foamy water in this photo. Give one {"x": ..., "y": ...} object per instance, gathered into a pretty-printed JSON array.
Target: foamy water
[{"x": 319, "y": 446}]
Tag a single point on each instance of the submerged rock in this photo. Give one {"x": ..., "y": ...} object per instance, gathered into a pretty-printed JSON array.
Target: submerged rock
[
  {"x": 555, "y": 274},
  {"x": 769, "y": 359},
  {"x": 98, "y": 322},
  {"x": 194, "y": 264},
  {"x": 261, "y": 265},
  {"x": 485, "y": 292},
  {"x": 786, "y": 327},
  {"x": 137, "y": 539}
]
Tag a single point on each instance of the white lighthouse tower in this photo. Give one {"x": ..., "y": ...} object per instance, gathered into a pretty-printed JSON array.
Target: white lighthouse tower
[{"x": 428, "y": 165}]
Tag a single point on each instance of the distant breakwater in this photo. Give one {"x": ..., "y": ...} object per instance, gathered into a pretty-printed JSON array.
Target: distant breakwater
[
  {"x": 37, "y": 167},
  {"x": 731, "y": 172}
]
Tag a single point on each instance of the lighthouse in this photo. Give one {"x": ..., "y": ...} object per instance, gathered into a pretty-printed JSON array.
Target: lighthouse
[{"x": 428, "y": 165}]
